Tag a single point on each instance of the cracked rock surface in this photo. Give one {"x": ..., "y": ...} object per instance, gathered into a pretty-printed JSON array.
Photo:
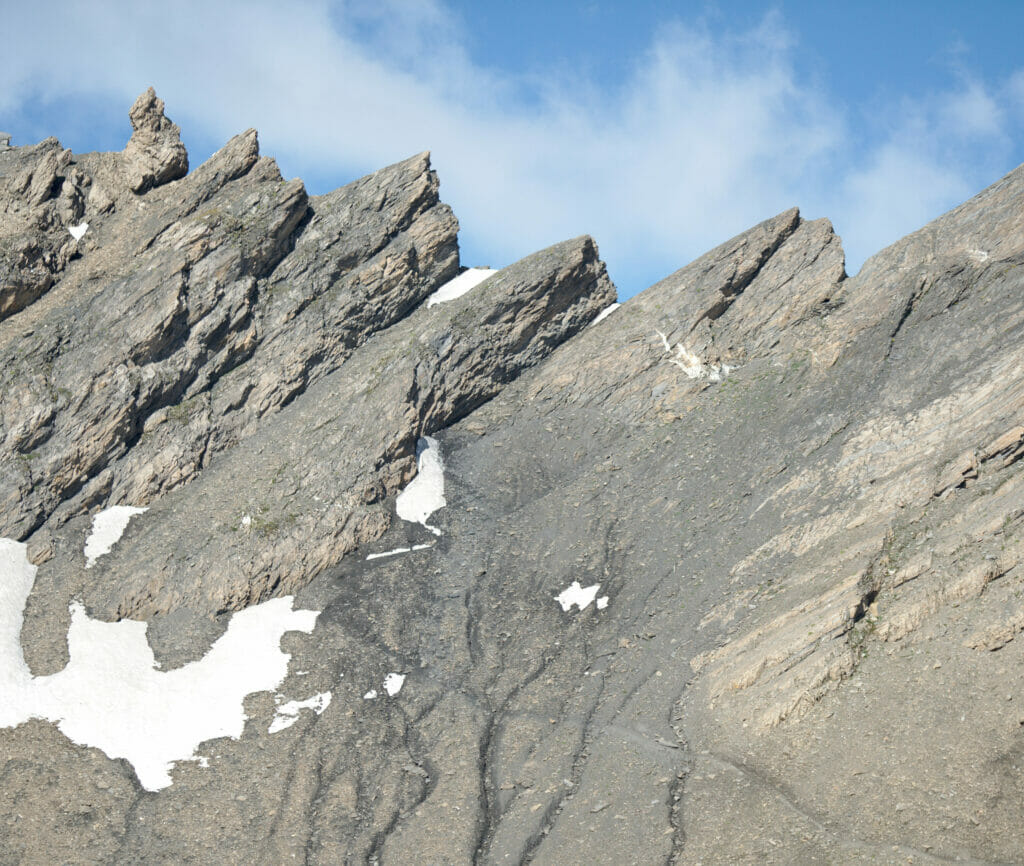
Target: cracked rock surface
[{"x": 799, "y": 494}]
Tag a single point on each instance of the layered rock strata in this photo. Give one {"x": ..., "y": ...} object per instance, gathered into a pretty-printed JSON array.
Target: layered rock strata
[{"x": 788, "y": 503}]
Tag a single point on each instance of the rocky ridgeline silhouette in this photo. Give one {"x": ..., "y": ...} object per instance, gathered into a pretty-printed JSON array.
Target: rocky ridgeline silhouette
[{"x": 730, "y": 575}]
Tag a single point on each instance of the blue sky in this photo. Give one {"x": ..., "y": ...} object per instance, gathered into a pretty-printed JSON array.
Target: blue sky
[{"x": 660, "y": 128}]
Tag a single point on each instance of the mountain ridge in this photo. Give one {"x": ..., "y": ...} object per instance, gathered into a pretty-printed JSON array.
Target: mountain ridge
[{"x": 798, "y": 491}]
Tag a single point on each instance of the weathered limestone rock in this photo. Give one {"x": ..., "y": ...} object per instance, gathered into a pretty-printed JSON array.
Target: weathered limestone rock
[
  {"x": 241, "y": 292},
  {"x": 42, "y": 193},
  {"x": 154, "y": 154},
  {"x": 179, "y": 315}
]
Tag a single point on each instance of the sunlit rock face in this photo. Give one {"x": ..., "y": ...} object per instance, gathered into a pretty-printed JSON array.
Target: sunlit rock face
[{"x": 319, "y": 546}]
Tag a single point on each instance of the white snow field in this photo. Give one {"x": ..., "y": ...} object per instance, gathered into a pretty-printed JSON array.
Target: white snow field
[
  {"x": 399, "y": 550},
  {"x": 111, "y": 694},
  {"x": 457, "y": 287},
  {"x": 107, "y": 528},
  {"x": 425, "y": 493},
  {"x": 393, "y": 683}
]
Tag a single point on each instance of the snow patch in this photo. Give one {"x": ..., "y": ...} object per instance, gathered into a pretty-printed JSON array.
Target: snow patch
[
  {"x": 399, "y": 550},
  {"x": 107, "y": 528},
  {"x": 78, "y": 232},
  {"x": 370, "y": 695},
  {"x": 692, "y": 365},
  {"x": 425, "y": 493},
  {"x": 457, "y": 287},
  {"x": 602, "y": 602},
  {"x": 578, "y": 595},
  {"x": 393, "y": 684},
  {"x": 606, "y": 312},
  {"x": 112, "y": 696},
  {"x": 288, "y": 714}
]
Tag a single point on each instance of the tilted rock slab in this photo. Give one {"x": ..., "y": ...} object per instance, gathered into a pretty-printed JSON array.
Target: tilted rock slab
[
  {"x": 314, "y": 479},
  {"x": 120, "y": 387}
]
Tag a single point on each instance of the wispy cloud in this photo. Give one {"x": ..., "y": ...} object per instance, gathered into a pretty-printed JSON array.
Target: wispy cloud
[
  {"x": 708, "y": 133},
  {"x": 926, "y": 155}
]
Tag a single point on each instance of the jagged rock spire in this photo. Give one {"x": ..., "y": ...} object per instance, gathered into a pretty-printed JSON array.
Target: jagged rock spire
[{"x": 154, "y": 154}]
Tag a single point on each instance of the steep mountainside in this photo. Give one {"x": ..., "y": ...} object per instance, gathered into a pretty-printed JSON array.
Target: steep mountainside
[{"x": 787, "y": 504}]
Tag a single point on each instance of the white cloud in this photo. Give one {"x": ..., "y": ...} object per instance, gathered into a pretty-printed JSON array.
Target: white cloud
[
  {"x": 930, "y": 154},
  {"x": 707, "y": 134},
  {"x": 973, "y": 112},
  {"x": 1015, "y": 91},
  {"x": 896, "y": 192}
]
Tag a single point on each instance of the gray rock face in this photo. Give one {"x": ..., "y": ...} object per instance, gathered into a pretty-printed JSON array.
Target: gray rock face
[
  {"x": 42, "y": 194},
  {"x": 316, "y": 477},
  {"x": 206, "y": 328},
  {"x": 797, "y": 495}
]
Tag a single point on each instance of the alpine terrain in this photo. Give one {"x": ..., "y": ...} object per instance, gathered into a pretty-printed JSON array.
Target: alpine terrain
[{"x": 320, "y": 547}]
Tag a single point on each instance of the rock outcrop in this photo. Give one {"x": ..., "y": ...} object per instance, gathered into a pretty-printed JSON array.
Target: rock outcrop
[
  {"x": 154, "y": 154},
  {"x": 786, "y": 502}
]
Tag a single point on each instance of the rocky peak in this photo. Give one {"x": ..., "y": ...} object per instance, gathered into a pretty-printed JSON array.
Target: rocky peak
[{"x": 154, "y": 154}]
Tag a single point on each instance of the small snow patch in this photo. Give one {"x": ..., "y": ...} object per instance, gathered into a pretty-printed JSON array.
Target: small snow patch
[
  {"x": 107, "y": 528},
  {"x": 605, "y": 313},
  {"x": 577, "y": 595},
  {"x": 692, "y": 365},
  {"x": 78, "y": 232},
  {"x": 602, "y": 602},
  {"x": 393, "y": 684},
  {"x": 457, "y": 287},
  {"x": 399, "y": 550},
  {"x": 370, "y": 695},
  {"x": 288, "y": 714},
  {"x": 425, "y": 493},
  {"x": 246, "y": 520}
]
